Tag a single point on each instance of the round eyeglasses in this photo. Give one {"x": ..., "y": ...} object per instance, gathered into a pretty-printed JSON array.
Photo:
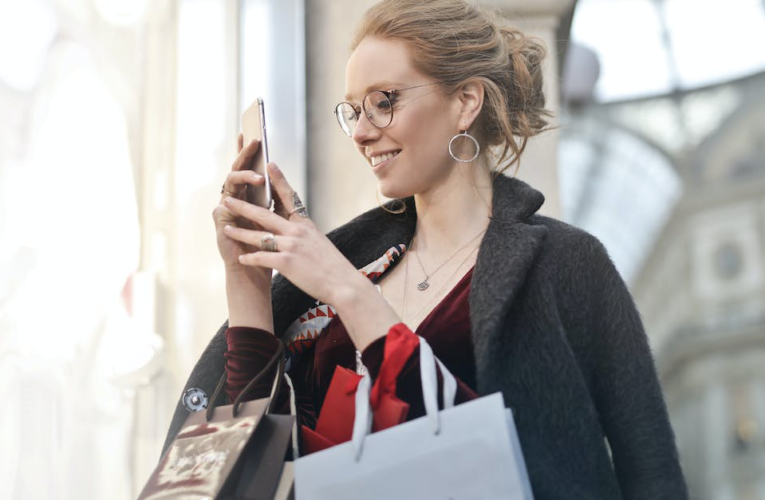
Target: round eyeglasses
[{"x": 377, "y": 106}]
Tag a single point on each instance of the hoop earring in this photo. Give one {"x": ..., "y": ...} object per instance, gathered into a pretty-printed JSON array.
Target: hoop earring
[{"x": 477, "y": 147}]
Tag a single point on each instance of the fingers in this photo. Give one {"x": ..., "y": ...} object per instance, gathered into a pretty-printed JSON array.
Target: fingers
[
  {"x": 238, "y": 178},
  {"x": 261, "y": 216},
  {"x": 239, "y": 142},
  {"x": 270, "y": 260},
  {"x": 252, "y": 237},
  {"x": 245, "y": 155},
  {"x": 222, "y": 215},
  {"x": 289, "y": 200}
]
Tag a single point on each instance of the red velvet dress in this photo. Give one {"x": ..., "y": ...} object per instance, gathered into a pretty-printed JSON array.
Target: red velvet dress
[{"x": 318, "y": 341}]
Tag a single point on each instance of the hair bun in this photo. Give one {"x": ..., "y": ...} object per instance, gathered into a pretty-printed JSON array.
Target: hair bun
[{"x": 526, "y": 98}]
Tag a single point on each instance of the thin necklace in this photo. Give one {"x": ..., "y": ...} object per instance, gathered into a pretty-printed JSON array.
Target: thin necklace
[
  {"x": 406, "y": 276},
  {"x": 423, "y": 285}
]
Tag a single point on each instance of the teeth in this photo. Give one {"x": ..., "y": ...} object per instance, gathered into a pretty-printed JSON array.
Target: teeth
[{"x": 376, "y": 160}]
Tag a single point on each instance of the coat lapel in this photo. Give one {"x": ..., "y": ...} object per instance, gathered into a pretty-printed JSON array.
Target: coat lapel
[{"x": 507, "y": 253}]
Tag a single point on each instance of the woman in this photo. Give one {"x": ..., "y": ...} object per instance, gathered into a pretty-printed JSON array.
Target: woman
[{"x": 510, "y": 300}]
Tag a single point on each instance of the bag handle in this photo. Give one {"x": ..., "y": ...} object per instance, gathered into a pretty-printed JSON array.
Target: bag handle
[
  {"x": 429, "y": 379},
  {"x": 278, "y": 357},
  {"x": 362, "y": 422}
]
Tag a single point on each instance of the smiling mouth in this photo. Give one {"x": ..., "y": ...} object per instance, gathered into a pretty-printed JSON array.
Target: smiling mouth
[{"x": 376, "y": 160}]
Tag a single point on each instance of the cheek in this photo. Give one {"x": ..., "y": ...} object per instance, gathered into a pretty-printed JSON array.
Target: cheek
[{"x": 427, "y": 136}]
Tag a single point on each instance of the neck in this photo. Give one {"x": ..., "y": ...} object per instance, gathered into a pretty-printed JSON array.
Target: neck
[{"x": 453, "y": 211}]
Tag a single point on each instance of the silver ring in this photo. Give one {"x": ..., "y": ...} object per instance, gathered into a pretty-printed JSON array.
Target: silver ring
[
  {"x": 299, "y": 207},
  {"x": 268, "y": 243}
]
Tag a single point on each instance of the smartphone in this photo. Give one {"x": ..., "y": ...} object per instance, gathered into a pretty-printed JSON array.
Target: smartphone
[{"x": 254, "y": 127}]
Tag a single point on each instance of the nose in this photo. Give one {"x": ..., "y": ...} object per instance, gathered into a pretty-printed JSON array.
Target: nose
[{"x": 364, "y": 130}]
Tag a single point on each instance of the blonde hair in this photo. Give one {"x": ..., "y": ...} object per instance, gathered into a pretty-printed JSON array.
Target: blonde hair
[{"x": 453, "y": 41}]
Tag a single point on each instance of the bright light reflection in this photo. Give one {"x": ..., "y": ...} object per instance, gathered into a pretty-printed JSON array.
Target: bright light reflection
[
  {"x": 714, "y": 43},
  {"x": 81, "y": 224},
  {"x": 121, "y": 12},
  {"x": 202, "y": 87},
  {"x": 203, "y": 123},
  {"x": 626, "y": 35},
  {"x": 26, "y": 30},
  {"x": 710, "y": 42},
  {"x": 70, "y": 227},
  {"x": 256, "y": 54}
]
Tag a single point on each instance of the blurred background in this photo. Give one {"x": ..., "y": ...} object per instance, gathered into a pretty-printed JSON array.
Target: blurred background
[{"x": 118, "y": 124}]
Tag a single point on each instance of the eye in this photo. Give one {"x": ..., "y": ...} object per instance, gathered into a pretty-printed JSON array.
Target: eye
[
  {"x": 385, "y": 104},
  {"x": 378, "y": 102}
]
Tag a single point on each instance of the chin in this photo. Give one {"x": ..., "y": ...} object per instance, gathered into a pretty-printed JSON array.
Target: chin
[{"x": 389, "y": 190}]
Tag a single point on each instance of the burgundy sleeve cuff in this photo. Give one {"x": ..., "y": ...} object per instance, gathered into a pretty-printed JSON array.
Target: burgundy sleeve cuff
[
  {"x": 247, "y": 333},
  {"x": 249, "y": 350}
]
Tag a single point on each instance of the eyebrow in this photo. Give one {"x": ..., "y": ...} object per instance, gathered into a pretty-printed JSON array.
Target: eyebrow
[{"x": 378, "y": 86}]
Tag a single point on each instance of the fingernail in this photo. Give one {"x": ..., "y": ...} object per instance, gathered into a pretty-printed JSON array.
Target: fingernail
[
  {"x": 256, "y": 175},
  {"x": 273, "y": 167},
  {"x": 228, "y": 201}
]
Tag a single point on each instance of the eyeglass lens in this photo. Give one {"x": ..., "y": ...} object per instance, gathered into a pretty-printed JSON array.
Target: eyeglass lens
[{"x": 376, "y": 106}]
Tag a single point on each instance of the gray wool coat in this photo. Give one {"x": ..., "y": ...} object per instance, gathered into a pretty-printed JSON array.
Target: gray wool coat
[{"x": 554, "y": 329}]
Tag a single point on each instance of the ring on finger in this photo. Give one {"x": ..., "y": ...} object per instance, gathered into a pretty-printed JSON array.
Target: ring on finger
[
  {"x": 299, "y": 207},
  {"x": 224, "y": 190},
  {"x": 268, "y": 243}
]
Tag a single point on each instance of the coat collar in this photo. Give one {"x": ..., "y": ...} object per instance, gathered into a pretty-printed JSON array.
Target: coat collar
[{"x": 505, "y": 255}]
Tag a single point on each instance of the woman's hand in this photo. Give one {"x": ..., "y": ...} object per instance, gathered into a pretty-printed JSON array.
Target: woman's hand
[
  {"x": 303, "y": 254},
  {"x": 236, "y": 182}
]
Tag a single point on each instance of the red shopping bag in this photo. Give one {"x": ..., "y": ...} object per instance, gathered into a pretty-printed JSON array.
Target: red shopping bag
[{"x": 335, "y": 423}]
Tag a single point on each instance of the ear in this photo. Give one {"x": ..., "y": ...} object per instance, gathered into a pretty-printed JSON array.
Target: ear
[{"x": 469, "y": 103}]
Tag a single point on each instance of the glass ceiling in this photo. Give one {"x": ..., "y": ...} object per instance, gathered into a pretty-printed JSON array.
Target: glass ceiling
[
  {"x": 617, "y": 187},
  {"x": 649, "y": 47}
]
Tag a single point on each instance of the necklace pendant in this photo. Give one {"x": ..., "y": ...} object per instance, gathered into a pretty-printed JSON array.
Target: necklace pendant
[{"x": 423, "y": 286}]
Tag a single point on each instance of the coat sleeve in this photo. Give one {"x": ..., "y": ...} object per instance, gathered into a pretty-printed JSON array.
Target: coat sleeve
[
  {"x": 628, "y": 396},
  {"x": 205, "y": 375}
]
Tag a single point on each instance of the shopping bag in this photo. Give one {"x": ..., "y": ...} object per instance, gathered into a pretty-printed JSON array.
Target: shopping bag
[
  {"x": 469, "y": 451},
  {"x": 263, "y": 468},
  {"x": 234, "y": 451}
]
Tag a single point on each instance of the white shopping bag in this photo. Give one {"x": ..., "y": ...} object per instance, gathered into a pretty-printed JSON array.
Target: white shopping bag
[{"x": 469, "y": 451}]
